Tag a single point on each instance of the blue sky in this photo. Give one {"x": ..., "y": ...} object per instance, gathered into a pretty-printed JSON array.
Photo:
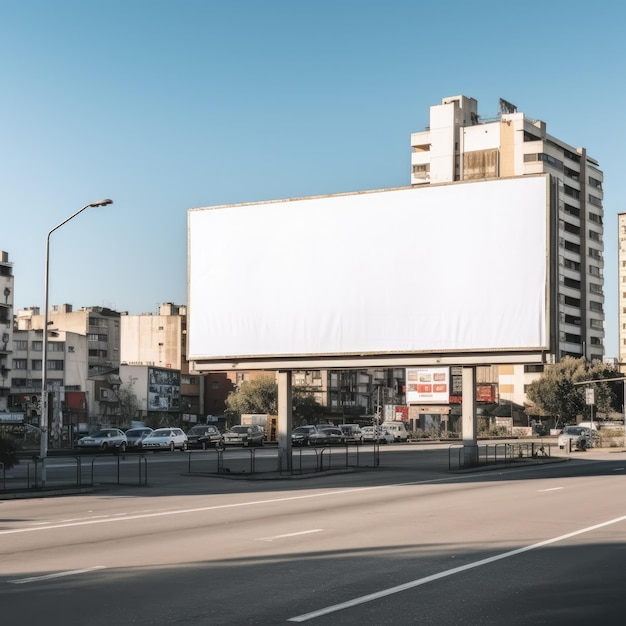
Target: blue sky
[{"x": 165, "y": 105}]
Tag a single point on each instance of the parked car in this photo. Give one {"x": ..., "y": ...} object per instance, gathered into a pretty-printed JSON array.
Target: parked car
[
  {"x": 244, "y": 435},
  {"x": 204, "y": 436},
  {"x": 575, "y": 438},
  {"x": 377, "y": 433},
  {"x": 352, "y": 433},
  {"x": 327, "y": 435},
  {"x": 135, "y": 436},
  {"x": 398, "y": 430},
  {"x": 301, "y": 436},
  {"x": 165, "y": 439},
  {"x": 105, "y": 439}
]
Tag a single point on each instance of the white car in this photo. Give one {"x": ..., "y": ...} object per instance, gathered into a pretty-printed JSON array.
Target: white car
[
  {"x": 575, "y": 438},
  {"x": 398, "y": 430},
  {"x": 165, "y": 439},
  {"x": 105, "y": 439},
  {"x": 377, "y": 433}
]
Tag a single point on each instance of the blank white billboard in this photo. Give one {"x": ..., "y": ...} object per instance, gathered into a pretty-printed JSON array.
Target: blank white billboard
[{"x": 448, "y": 268}]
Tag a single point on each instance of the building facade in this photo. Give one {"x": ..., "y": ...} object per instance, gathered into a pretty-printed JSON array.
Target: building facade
[
  {"x": 6, "y": 327},
  {"x": 621, "y": 297},
  {"x": 159, "y": 341},
  {"x": 100, "y": 325},
  {"x": 458, "y": 145}
]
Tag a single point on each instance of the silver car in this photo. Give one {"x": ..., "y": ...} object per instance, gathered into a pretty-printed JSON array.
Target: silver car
[
  {"x": 135, "y": 436},
  {"x": 105, "y": 439}
]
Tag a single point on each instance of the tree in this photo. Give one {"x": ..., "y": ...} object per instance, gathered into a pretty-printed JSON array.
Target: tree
[
  {"x": 261, "y": 396},
  {"x": 556, "y": 393},
  {"x": 127, "y": 402},
  {"x": 8, "y": 452},
  {"x": 254, "y": 396}
]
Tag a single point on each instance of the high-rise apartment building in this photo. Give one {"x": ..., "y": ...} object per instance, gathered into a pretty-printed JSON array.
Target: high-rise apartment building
[
  {"x": 6, "y": 326},
  {"x": 459, "y": 145},
  {"x": 621, "y": 297}
]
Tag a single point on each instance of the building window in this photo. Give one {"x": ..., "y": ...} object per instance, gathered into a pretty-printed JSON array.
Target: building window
[
  {"x": 98, "y": 353},
  {"x": 596, "y": 324},
  {"x": 595, "y": 235},
  {"x": 568, "y": 208},
  {"x": 594, "y": 217},
  {"x": 550, "y": 160},
  {"x": 571, "y": 228},
  {"x": 570, "y": 338},
  {"x": 571, "y": 173},
  {"x": 571, "y": 301},
  {"x": 570, "y": 282},
  {"x": 595, "y": 254},
  {"x": 595, "y": 183},
  {"x": 97, "y": 337},
  {"x": 20, "y": 344},
  {"x": 595, "y": 306},
  {"x": 570, "y": 191},
  {"x": 594, "y": 270},
  {"x": 572, "y": 156},
  {"x": 70, "y": 348},
  {"x": 20, "y": 364},
  {"x": 595, "y": 201},
  {"x": 37, "y": 346},
  {"x": 56, "y": 365},
  {"x": 595, "y": 341},
  {"x": 56, "y": 346},
  {"x": 595, "y": 288},
  {"x": 571, "y": 265},
  {"x": 532, "y": 369},
  {"x": 35, "y": 365},
  {"x": 572, "y": 247},
  {"x": 571, "y": 319},
  {"x": 215, "y": 385}
]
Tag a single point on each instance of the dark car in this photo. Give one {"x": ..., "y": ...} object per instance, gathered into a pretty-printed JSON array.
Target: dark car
[
  {"x": 301, "y": 436},
  {"x": 204, "y": 436},
  {"x": 244, "y": 435},
  {"x": 327, "y": 436}
]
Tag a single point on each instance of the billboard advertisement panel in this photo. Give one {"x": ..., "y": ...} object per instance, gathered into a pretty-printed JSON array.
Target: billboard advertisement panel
[
  {"x": 428, "y": 385},
  {"x": 467, "y": 264}
]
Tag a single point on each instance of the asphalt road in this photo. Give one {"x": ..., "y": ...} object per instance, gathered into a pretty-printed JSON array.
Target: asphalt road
[{"x": 410, "y": 543}]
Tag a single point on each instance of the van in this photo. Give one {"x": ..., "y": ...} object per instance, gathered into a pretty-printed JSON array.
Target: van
[{"x": 397, "y": 429}]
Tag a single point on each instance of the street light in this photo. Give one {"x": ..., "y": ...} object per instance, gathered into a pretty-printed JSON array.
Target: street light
[{"x": 43, "y": 450}]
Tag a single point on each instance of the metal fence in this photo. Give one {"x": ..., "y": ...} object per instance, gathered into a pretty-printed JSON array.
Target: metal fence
[
  {"x": 74, "y": 472},
  {"x": 306, "y": 460},
  {"x": 461, "y": 456}
]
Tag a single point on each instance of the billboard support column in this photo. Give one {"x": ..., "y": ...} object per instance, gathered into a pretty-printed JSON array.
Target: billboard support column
[
  {"x": 468, "y": 417},
  {"x": 284, "y": 420}
]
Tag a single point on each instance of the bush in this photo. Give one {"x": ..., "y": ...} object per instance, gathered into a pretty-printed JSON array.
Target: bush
[{"x": 8, "y": 452}]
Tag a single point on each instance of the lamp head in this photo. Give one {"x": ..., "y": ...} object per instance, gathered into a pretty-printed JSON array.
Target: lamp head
[{"x": 102, "y": 202}]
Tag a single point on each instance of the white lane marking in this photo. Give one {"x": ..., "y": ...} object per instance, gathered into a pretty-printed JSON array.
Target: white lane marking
[
  {"x": 456, "y": 570},
  {"x": 302, "y": 532},
  {"x": 32, "y": 579},
  {"x": 145, "y": 515},
  {"x": 618, "y": 469},
  {"x": 217, "y": 507},
  {"x": 551, "y": 489}
]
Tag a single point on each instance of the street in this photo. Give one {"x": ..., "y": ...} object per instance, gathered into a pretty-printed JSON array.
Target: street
[{"x": 411, "y": 543}]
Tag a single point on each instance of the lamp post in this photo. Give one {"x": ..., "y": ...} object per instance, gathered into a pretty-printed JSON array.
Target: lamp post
[{"x": 43, "y": 450}]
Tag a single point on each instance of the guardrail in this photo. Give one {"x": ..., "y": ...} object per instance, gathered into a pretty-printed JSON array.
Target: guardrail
[
  {"x": 83, "y": 471},
  {"x": 461, "y": 456},
  {"x": 304, "y": 460}
]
